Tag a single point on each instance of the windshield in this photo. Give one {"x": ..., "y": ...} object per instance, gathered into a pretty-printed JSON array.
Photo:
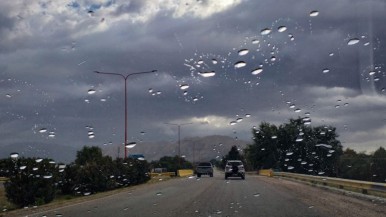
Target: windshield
[
  {"x": 205, "y": 164},
  {"x": 112, "y": 97}
]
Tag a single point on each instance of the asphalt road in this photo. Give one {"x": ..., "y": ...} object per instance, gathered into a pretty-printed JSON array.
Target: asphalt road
[{"x": 213, "y": 197}]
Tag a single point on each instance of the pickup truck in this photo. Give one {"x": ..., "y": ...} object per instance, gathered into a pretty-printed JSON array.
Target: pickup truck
[{"x": 204, "y": 168}]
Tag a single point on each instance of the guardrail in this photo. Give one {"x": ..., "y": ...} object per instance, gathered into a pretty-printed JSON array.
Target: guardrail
[{"x": 370, "y": 188}]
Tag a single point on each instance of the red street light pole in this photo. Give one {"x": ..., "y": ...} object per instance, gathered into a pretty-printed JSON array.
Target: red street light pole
[{"x": 125, "y": 77}]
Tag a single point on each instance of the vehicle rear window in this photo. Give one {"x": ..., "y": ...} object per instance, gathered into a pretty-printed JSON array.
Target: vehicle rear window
[{"x": 205, "y": 164}]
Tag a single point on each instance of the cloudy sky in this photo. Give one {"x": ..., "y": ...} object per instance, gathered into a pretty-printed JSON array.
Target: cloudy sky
[{"x": 217, "y": 62}]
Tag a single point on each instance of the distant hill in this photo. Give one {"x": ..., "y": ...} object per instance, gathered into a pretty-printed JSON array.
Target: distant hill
[
  {"x": 59, "y": 153},
  {"x": 205, "y": 148}
]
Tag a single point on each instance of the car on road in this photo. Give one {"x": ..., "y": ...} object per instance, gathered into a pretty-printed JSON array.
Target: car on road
[
  {"x": 234, "y": 168},
  {"x": 204, "y": 168}
]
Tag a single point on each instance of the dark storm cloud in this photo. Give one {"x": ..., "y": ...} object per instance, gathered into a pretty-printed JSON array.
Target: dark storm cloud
[{"x": 54, "y": 71}]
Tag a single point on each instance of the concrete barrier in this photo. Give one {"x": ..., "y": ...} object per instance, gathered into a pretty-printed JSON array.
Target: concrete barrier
[
  {"x": 268, "y": 173},
  {"x": 371, "y": 188},
  {"x": 183, "y": 173},
  {"x": 171, "y": 174}
]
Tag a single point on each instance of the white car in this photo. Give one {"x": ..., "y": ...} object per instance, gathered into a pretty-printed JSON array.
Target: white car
[{"x": 234, "y": 168}]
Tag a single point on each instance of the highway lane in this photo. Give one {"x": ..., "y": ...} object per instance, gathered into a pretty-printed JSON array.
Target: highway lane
[{"x": 215, "y": 197}]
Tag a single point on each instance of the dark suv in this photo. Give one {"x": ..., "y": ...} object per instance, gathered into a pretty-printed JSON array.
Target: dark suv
[
  {"x": 234, "y": 168},
  {"x": 204, "y": 168}
]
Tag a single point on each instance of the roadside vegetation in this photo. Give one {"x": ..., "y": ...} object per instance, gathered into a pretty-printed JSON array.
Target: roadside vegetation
[{"x": 37, "y": 181}]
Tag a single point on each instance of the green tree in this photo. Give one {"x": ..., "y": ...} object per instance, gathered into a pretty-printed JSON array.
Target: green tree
[
  {"x": 31, "y": 182},
  {"x": 88, "y": 155},
  {"x": 295, "y": 147},
  {"x": 378, "y": 166}
]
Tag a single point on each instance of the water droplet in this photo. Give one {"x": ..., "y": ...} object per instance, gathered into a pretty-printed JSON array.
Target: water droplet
[
  {"x": 314, "y": 13},
  {"x": 353, "y": 41},
  {"x": 238, "y": 120},
  {"x": 207, "y": 74},
  {"x": 243, "y": 52},
  {"x": 184, "y": 86},
  {"x": 289, "y": 153},
  {"x": 247, "y": 115},
  {"x": 290, "y": 167},
  {"x": 273, "y": 58},
  {"x": 282, "y": 28},
  {"x": 326, "y": 70},
  {"x": 38, "y": 160},
  {"x": 240, "y": 64},
  {"x": 255, "y": 41},
  {"x": 103, "y": 100},
  {"x": 131, "y": 145},
  {"x": 91, "y": 91},
  {"x": 299, "y": 139},
  {"x": 47, "y": 176},
  {"x": 233, "y": 123},
  {"x": 91, "y": 136},
  {"x": 51, "y": 134},
  {"x": 298, "y": 110},
  {"x": 303, "y": 163},
  {"x": 159, "y": 193},
  {"x": 86, "y": 193},
  {"x": 214, "y": 61},
  {"x": 150, "y": 90},
  {"x": 292, "y": 106},
  {"x": 8, "y": 95},
  {"x": 14, "y": 155},
  {"x": 141, "y": 158},
  {"x": 43, "y": 130},
  {"x": 256, "y": 195},
  {"x": 265, "y": 31},
  {"x": 22, "y": 167},
  {"x": 274, "y": 137},
  {"x": 371, "y": 73},
  {"x": 320, "y": 173},
  {"x": 257, "y": 71}
]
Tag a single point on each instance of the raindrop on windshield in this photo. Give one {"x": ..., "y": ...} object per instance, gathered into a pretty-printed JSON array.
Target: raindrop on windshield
[
  {"x": 243, "y": 52},
  {"x": 207, "y": 74},
  {"x": 371, "y": 73},
  {"x": 265, "y": 31},
  {"x": 289, "y": 153},
  {"x": 131, "y": 145},
  {"x": 91, "y": 91},
  {"x": 256, "y": 195},
  {"x": 184, "y": 86},
  {"x": 314, "y": 13},
  {"x": 290, "y": 167},
  {"x": 353, "y": 41},
  {"x": 39, "y": 160},
  {"x": 247, "y": 115},
  {"x": 239, "y": 120},
  {"x": 14, "y": 155},
  {"x": 281, "y": 29},
  {"x": 240, "y": 64},
  {"x": 255, "y": 41},
  {"x": 326, "y": 71},
  {"x": 43, "y": 130},
  {"x": 298, "y": 110},
  {"x": 257, "y": 71},
  {"x": 214, "y": 61},
  {"x": 233, "y": 123},
  {"x": 274, "y": 137},
  {"x": 159, "y": 193}
]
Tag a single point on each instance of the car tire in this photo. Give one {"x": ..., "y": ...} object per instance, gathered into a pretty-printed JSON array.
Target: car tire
[
  {"x": 211, "y": 175},
  {"x": 243, "y": 177},
  {"x": 198, "y": 175},
  {"x": 226, "y": 177}
]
